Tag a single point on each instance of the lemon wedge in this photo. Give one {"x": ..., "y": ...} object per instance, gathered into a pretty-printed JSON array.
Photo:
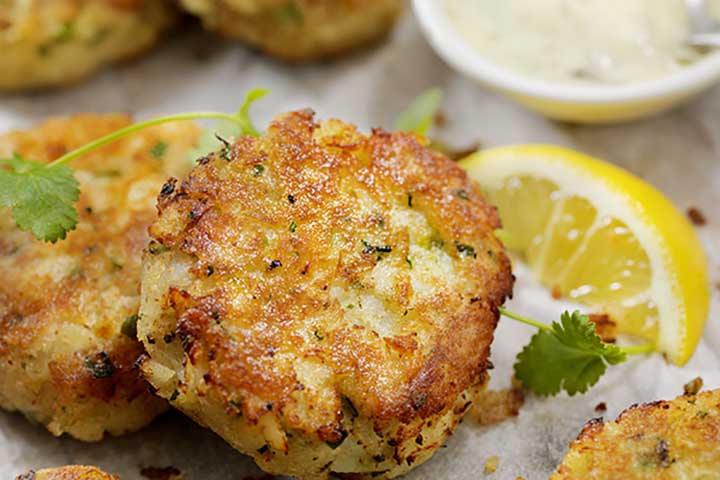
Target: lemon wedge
[{"x": 596, "y": 234}]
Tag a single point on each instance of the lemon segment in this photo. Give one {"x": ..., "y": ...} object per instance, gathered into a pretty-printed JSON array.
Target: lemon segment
[{"x": 596, "y": 234}]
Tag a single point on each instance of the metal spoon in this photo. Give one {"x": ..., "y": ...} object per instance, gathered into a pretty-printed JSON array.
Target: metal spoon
[{"x": 704, "y": 29}]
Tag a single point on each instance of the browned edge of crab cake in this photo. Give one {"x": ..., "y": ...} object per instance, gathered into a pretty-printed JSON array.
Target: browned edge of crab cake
[
  {"x": 662, "y": 440},
  {"x": 65, "y": 361},
  {"x": 323, "y": 299},
  {"x": 301, "y": 30},
  {"x": 70, "y": 472},
  {"x": 48, "y": 44}
]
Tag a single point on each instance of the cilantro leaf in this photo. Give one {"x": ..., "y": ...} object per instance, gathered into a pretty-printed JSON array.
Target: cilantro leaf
[
  {"x": 570, "y": 356},
  {"x": 228, "y": 130},
  {"x": 418, "y": 116},
  {"x": 41, "y": 196}
]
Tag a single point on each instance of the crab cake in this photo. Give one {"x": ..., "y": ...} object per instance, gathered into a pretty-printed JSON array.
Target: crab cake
[
  {"x": 67, "y": 345},
  {"x": 664, "y": 440},
  {"x": 322, "y": 299},
  {"x": 50, "y": 43},
  {"x": 298, "y": 30},
  {"x": 72, "y": 472}
]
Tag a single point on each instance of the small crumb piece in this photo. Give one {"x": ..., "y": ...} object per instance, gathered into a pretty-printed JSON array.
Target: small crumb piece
[
  {"x": 491, "y": 464},
  {"x": 439, "y": 119},
  {"x": 556, "y": 293},
  {"x": 494, "y": 406},
  {"x": 519, "y": 478},
  {"x": 605, "y": 327},
  {"x": 164, "y": 473},
  {"x": 601, "y": 407},
  {"x": 696, "y": 216},
  {"x": 694, "y": 386}
]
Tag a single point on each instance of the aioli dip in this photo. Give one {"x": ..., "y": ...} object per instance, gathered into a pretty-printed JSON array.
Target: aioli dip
[{"x": 578, "y": 41}]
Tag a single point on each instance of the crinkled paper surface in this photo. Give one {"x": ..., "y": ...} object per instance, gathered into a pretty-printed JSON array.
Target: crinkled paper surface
[{"x": 679, "y": 152}]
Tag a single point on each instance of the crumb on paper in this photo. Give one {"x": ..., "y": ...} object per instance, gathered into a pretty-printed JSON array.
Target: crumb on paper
[
  {"x": 440, "y": 119},
  {"x": 161, "y": 473},
  {"x": 696, "y": 216},
  {"x": 491, "y": 464},
  {"x": 494, "y": 406},
  {"x": 605, "y": 327},
  {"x": 556, "y": 293},
  {"x": 693, "y": 387},
  {"x": 601, "y": 407}
]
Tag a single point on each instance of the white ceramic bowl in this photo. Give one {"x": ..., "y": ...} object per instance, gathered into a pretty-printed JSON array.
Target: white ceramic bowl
[{"x": 574, "y": 103}]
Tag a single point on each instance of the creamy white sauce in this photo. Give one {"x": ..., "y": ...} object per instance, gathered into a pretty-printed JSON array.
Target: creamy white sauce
[{"x": 578, "y": 41}]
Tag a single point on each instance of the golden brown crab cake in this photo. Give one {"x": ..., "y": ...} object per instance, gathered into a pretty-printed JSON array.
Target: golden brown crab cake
[
  {"x": 50, "y": 43},
  {"x": 70, "y": 472},
  {"x": 663, "y": 440},
  {"x": 323, "y": 299},
  {"x": 64, "y": 359},
  {"x": 298, "y": 30}
]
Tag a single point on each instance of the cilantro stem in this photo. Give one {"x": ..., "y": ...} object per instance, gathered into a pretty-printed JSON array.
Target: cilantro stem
[
  {"x": 639, "y": 349},
  {"x": 525, "y": 320},
  {"x": 631, "y": 350},
  {"x": 72, "y": 155}
]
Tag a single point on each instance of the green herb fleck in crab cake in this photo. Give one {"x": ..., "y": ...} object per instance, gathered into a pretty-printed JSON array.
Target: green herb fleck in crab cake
[
  {"x": 68, "y": 310},
  {"x": 53, "y": 43},
  {"x": 299, "y": 30},
  {"x": 323, "y": 299}
]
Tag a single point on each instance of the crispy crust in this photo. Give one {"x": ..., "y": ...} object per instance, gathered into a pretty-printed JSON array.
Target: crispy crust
[
  {"x": 65, "y": 362},
  {"x": 299, "y": 30},
  {"x": 70, "y": 472},
  {"x": 662, "y": 440},
  {"x": 316, "y": 265},
  {"x": 53, "y": 43}
]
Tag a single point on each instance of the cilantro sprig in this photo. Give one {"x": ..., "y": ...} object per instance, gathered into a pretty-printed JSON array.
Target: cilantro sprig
[
  {"x": 42, "y": 196},
  {"x": 567, "y": 355}
]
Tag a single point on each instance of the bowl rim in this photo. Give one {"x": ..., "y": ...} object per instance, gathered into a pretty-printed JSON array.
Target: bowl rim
[{"x": 449, "y": 44}]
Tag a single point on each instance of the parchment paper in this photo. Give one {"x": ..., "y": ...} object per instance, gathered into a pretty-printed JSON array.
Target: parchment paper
[{"x": 678, "y": 152}]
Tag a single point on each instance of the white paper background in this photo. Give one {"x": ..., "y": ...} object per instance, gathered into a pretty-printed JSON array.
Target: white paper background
[{"x": 678, "y": 152}]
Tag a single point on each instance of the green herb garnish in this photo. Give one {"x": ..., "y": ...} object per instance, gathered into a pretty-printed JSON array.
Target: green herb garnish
[
  {"x": 42, "y": 195},
  {"x": 567, "y": 356}
]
